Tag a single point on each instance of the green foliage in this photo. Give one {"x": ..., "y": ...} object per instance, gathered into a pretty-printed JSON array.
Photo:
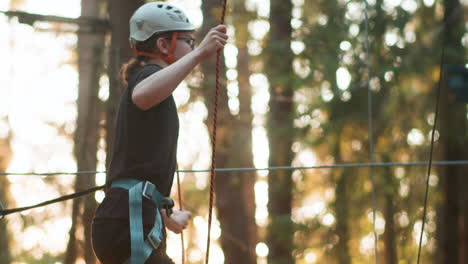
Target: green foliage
[{"x": 404, "y": 55}]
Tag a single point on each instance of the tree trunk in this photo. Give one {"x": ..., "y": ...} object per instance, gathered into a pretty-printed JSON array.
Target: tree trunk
[
  {"x": 391, "y": 256},
  {"x": 120, "y": 12},
  {"x": 243, "y": 137},
  {"x": 342, "y": 217},
  {"x": 453, "y": 144},
  {"x": 5, "y": 238},
  {"x": 280, "y": 133},
  {"x": 342, "y": 205},
  {"x": 235, "y": 201},
  {"x": 90, "y": 66}
]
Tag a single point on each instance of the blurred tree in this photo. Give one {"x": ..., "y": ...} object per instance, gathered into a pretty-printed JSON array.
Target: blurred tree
[
  {"x": 235, "y": 201},
  {"x": 5, "y": 199},
  {"x": 278, "y": 65},
  {"x": 335, "y": 47},
  {"x": 90, "y": 67},
  {"x": 119, "y": 12},
  {"x": 453, "y": 213}
]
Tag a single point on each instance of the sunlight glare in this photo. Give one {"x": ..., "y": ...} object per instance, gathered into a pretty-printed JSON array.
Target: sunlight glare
[
  {"x": 391, "y": 38},
  {"x": 310, "y": 257},
  {"x": 262, "y": 249},
  {"x": 326, "y": 92},
  {"x": 390, "y": 5},
  {"x": 343, "y": 78},
  {"x": 192, "y": 9},
  {"x": 327, "y": 220},
  {"x": 261, "y": 216},
  {"x": 230, "y": 54},
  {"x": 354, "y": 11},
  {"x": 417, "y": 233},
  {"x": 404, "y": 188},
  {"x": 354, "y": 30},
  {"x": 259, "y": 28},
  {"x": 69, "y": 8},
  {"x": 261, "y": 96},
  {"x": 409, "y": 5},
  {"x": 261, "y": 193},
  {"x": 262, "y": 7},
  {"x": 181, "y": 94},
  {"x": 345, "y": 45},
  {"x": 261, "y": 202},
  {"x": 103, "y": 88},
  {"x": 297, "y": 47},
  {"x": 428, "y": 3},
  {"x": 366, "y": 246},
  {"x": 415, "y": 137},
  {"x": 402, "y": 219},
  {"x": 195, "y": 255},
  {"x": 254, "y": 47},
  {"x": 260, "y": 149}
]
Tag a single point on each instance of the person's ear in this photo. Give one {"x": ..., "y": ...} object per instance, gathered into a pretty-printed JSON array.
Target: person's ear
[{"x": 162, "y": 46}]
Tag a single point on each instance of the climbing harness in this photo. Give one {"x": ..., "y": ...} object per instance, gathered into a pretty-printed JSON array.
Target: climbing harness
[{"x": 141, "y": 249}]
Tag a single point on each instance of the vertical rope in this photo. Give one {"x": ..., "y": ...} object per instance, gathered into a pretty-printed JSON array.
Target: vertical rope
[
  {"x": 429, "y": 167},
  {"x": 371, "y": 136},
  {"x": 213, "y": 146},
  {"x": 179, "y": 193}
]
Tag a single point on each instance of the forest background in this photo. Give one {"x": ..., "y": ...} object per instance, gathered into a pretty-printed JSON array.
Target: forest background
[{"x": 296, "y": 80}]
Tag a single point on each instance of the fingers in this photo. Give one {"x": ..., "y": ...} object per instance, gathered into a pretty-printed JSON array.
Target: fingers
[
  {"x": 188, "y": 214},
  {"x": 214, "y": 40},
  {"x": 221, "y": 28},
  {"x": 220, "y": 39},
  {"x": 220, "y": 31}
]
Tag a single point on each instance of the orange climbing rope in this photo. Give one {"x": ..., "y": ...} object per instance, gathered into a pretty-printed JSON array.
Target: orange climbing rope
[
  {"x": 179, "y": 193},
  {"x": 213, "y": 142}
]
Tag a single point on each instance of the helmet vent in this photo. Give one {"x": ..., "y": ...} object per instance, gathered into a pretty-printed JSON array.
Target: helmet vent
[
  {"x": 160, "y": 6},
  {"x": 168, "y": 7},
  {"x": 139, "y": 23},
  {"x": 177, "y": 11}
]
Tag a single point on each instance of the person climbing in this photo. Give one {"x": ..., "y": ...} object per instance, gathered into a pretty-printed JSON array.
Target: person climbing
[{"x": 129, "y": 225}]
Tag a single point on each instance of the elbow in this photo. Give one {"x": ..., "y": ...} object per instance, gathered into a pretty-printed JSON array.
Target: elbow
[{"x": 141, "y": 101}]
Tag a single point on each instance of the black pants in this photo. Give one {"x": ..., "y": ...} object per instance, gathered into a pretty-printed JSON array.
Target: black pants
[{"x": 111, "y": 229}]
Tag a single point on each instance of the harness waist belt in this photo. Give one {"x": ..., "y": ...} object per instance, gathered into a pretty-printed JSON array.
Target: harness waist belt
[{"x": 141, "y": 249}]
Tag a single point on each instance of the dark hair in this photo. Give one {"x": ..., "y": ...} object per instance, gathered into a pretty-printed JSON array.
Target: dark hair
[{"x": 136, "y": 63}]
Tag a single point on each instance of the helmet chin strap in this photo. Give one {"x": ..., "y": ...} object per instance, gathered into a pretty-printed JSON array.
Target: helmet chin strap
[{"x": 168, "y": 58}]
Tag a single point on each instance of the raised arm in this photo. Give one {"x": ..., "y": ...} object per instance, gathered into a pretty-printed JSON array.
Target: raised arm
[{"x": 158, "y": 86}]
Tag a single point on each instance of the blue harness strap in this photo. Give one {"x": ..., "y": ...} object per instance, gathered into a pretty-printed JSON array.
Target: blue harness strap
[{"x": 141, "y": 249}]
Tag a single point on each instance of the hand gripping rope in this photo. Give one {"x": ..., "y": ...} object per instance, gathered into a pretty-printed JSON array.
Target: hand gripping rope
[{"x": 213, "y": 146}]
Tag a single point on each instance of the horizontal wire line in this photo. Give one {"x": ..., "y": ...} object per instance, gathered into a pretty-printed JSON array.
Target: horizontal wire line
[{"x": 344, "y": 165}]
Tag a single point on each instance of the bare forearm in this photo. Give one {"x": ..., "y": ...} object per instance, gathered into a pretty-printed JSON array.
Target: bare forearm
[{"x": 158, "y": 86}]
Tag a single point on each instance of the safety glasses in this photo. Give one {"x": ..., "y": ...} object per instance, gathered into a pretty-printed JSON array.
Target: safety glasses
[{"x": 188, "y": 40}]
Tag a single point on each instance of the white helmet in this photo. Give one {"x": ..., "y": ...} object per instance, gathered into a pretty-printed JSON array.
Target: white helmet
[{"x": 157, "y": 17}]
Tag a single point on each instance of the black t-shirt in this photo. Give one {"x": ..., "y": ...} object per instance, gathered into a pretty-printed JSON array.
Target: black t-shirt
[{"x": 145, "y": 144}]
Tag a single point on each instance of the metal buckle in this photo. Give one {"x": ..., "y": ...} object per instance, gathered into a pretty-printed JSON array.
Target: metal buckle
[
  {"x": 145, "y": 189},
  {"x": 153, "y": 243}
]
